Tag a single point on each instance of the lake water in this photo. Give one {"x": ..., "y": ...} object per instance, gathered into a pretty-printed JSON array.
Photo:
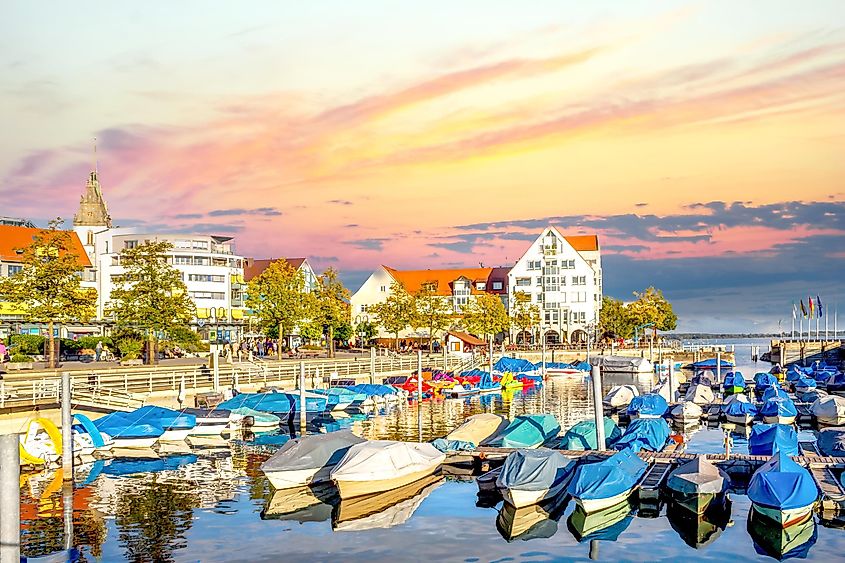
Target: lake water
[{"x": 213, "y": 504}]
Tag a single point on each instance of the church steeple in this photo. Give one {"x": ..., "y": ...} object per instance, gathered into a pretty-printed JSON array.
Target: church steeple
[{"x": 92, "y": 206}]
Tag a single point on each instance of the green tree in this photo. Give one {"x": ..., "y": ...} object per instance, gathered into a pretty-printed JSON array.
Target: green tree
[
  {"x": 652, "y": 307},
  {"x": 615, "y": 318},
  {"x": 396, "y": 313},
  {"x": 278, "y": 298},
  {"x": 150, "y": 295},
  {"x": 366, "y": 329},
  {"x": 432, "y": 311},
  {"x": 486, "y": 315},
  {"x": 330, "y": 307},
  {"x": 48, "y": 287},
  {"x": 525, "y": 315}
]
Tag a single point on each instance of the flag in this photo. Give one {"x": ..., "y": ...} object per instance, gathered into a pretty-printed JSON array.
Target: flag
[
  {"x": 803, "y": 309},
  {"x": 794, "y": 311},
  {"x": 812, "y": 308},
  {"x": 819, "y": 303}
]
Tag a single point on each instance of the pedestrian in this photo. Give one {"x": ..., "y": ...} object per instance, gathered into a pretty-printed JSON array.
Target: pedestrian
[{"x": 98, "y": 351}]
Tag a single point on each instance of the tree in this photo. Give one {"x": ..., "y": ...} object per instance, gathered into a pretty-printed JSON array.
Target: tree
[
  {"x": 278, "y": 298},
  {"x": 486, "y": 315},
  {"x": 615, "y": 318},
  {"x": 432, "y": 312},
  {"x": 395, "y": 313},
  {"x": 367, "y": 330},
  {"x": 525, "y": 315},
  {"x": 330, "y": 308},
  {"x": 150, "y": 295},
  {"x": 48, "y": 287},
  {"x": 651, "y": 307}
]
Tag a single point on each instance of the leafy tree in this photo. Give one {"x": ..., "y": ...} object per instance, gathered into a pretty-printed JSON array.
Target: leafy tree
[
  {"x": 432, "y": 312},
  {"x": 397, "y": 312},
  {"x": 615, "y": 318},
  {"x": 278, "y": 298},
  {"x": 331, "y": 306},
  {"x": 48, "y": 288},
  {"x": 652, "y": 307},
  {"x": 150, "y": 294},
  {"x": 525, "y": 315},
  {"x": 367, "y": 329},
  {"x": 343, "y": 332},
  {"x": 486, "y": 315}
]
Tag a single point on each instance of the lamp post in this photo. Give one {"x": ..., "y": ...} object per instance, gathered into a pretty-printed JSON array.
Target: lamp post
[{"x": 359, "y": 320}]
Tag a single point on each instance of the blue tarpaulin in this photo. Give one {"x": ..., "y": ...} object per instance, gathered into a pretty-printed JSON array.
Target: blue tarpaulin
[
  {"x": 535, "y": 470},
  {"x": 764, "y": 379},
  {"x": 778, "y": 406},
  {"x": 774, "y": 392},
  {"x": 806, "y": 383},
  {"x": 782, "y": 484},
  {"x": 609, "y": 478},
  {"x": 453, "y": 445},
  {"x": 527, "y": 431},
  {"x": 160, "y": 416},
  {"x": 739, "y": 408},
  {"x": 734, "y": 380},
  {"x": 650, "y": 404},
  {"x": 582, "y": 436},
  {"x": 645, "y": 434},
  {"x": 116, "y": 425},
  {"x": 768, "y": 439},
  {"x": 711, "y": 364},
  {"x": 796, "y": 372},
  {"x": 513, "y": 365}
]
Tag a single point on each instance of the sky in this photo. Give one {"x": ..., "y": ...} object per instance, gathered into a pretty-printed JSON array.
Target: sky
[{"x": 702, "y": 141}]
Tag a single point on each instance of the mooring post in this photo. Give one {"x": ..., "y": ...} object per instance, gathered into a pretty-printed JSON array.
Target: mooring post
[
  {"x": 67, "y": 513},
  {"x": 594, "y": 550},
  {"x": 372, "y": 364},
  {"x": 419, "y": 393},
  {"x": 67, "y": 432},
  {"x": 10, "y": 494},
  {"x": 302, "y": 406},
  {"x": 215, "y": 359},
  {"x": 598, "y": 408},
  {"x": 490, "y": 358},
  {"x": 671, "y": 379},
  {"x": 718, "y": 367}
]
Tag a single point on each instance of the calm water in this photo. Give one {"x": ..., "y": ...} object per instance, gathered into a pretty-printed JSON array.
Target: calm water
[{"x": 213, "y": 504}]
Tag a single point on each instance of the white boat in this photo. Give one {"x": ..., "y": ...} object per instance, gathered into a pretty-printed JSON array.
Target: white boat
[
  {"x": 479, "y": 428},
  {"x": 739, "y": 410},
  {"x": 686, "y": 412},
  {"x": 41, "y": 443},
  {"x": 663, "y": 390},
  {"x": 620, "y": 396},
  {"x": 383, "y": 510},
  {"x": 381, "y": 465},
  {"x": 700, "y": 394},
  {"x": 210, "y": 422},
  {"x": 829, "y": 410},
  {"x": 623, "y": 364},
  {"x": 308, "y": 460},
  {"x": 532, "y": 476}
]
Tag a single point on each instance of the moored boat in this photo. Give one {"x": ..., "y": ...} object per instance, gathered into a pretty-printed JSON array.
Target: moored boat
[
  {"x": 177, "y": 425},
  {"x": 623, "y": 364},
  {"x": 764, "y": 380},
  {"x": 209, "y": 422},
  {"x": 308, "y": 460},
  {"x": 687, "y": 411},
  {"x": 831, "y": 441},
  {"x": 526, "y": 431},
  {"x": 739, "y": 410},
  {"x": 645, "y": 434},
  {"x": 257, "y": 420},
  {"x": 768, "y": 439},
  {"x": 783, "y": 491},
  {"x": 532, "y": 476},
  {"x": 696, "y": 483},
  {"x": 41, "y": 443},
  {"x": 779, "y": 410},
  {"x": 128, "y": 433},
  {"x": 620, "y": 396},
  {"x": 86, "y": 438},
  {"x": 829, "y": 410},
  {"x": 474, "y": 430},
  {"x": 600, "y": 485},
  {"x": 804, "y": 385},
  {"x": 582, "y": 436},
  {"x": 734, "y": 383},
  {"x": 700, "y": 394}
]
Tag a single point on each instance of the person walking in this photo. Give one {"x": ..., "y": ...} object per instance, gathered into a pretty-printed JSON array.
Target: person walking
[{"x": 98, "y": 351}]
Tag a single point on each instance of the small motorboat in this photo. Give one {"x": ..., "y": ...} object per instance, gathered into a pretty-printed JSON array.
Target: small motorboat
[
  {"x": 478, "y": 428},
  {"x": 771, "y": 392},
  {"x": 739, "y": 410},
  {"x": 301, "y": 504},
  {"x": 710, "y": 364},
  {"x": 381, "y": 465},
  {"x": 700, "y": 394},
  {"x": 531, "y": 522},
  {"x": 383, "y": 510},
  {"x": 779, "y": 410},
  {"x": 831, "y": 441},
  {"x": 526, "y": 431},
  {"x": 804, "y": 385},
  {"x": 128, "y": 433},
  {"x": 210, "y": 422},
  {"x": 308, "y": 460},
  {"x": 604, "y": 524},
  {"x": 686, "y": 412},
  {"x": 177, "y": 425},
  {"x": 41, "y": 443},
  {"x": 561, "y": 369},
  {"x": 460, "y": 391},
  {"x": 86, "y": 438},
  {"x": 582, "y": 436},
  {"x": 768, "y": 439},
  {"x": 251, "y": 418},
  {"x": 601, "y": 485},
  {"x": 532, "y": 476},
  {"x": 829, "y": 410},
  {"x": 341, "y": 398},
  {"x": 699, "y": 530},
  {"x": 781, "y": 543},
  {"x": 650, "y": 405},
  {"x": 644, "y": 434},
  {"x": 487, "y": 482},
  {"x": 836, "y": 384},
  {"x": 783, "y": 491},
  {"x": 734, "y": 383},
  {"x": 620, "y": 396},
  {"x": 696, "y": 483},
  {"x": 764, "y": 380},
  {"x": 623, "y": 364}
]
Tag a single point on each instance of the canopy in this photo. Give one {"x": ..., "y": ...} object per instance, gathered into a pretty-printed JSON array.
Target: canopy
[
  {"x": 700, "y": 394},
  {"x": 582, "y": 436},
  {"x": 779, "y": 406},
  {"x": 763, "y": 379},
  {"x": 166, "y": 418},
  {"x": 611, "y": 477},
  {"x": 829, "y": 409},
  {"x": 620, "y": 395},
  {"x": 313, "y": 451},
  {"x": 534, "y": 470},
  {"x": 768, "y": 439},
  {"x": 782, "y": 484},
  {"x": 645, "y": 434},
  {"x": 527, "y": 431},
  {"x": 774, "y": 392},
  {"x": 698, "y": 476},
  {"x": 385, "y": 459},
  {"x": 650, "y": 404},
  {"x": 831, "y": 441},
  {"x": 478, "y": 428},
  {"x": 513, "y": 365}
]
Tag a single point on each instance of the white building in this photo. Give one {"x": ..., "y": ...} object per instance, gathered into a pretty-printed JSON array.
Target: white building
[{"x": 562, "y": 275}]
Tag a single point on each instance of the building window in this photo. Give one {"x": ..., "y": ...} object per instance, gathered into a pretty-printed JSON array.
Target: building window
[
  {"x": 534, "y": 264},
  {"x": 539, "y": 298},
  {"x": 579, "y": 297},
  {"x": 183, "y": 260},
  {"x": 14, "y": 270},
  {"x": 552, "y": 283},
  {"x": 219, "y": 295},
  {"x": 550, "y": 305},
  {"x": 181, "y": 244},
  {"x": 90, "y": 238},
  {"x": 200, "y": 244},
  {"x": 572, "y": 264},
  {"x": 539, "y": 280},
  {"x": 579, "y": 280},
  {"x": 383, "y": 288},
  {"x": 130, "y": 244},
  {"x": 206, "y": 278},
  {"x": 365, "y": 308},
  {"x": 522, "y": 282},
  {"x": 497, "y": 286},
  {"x": 481, "y": 286}
]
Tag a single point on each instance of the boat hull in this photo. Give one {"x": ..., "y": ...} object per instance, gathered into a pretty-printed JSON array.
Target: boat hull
[
  {"x": 520, "y": 498},
  {"x": 209, "y": 428},
  {"x": 742, "y": 419},
  {"x": 175, "y": 435},
  {"x": 594, "y": 505},
  {"x": 133, "y": 443},
  {"x": 301, "y": 477},
  {"x": 777, "y": 419},
  {"x": 785, "y": 518},
  {"x": 692, "y": 502},
  {"x": 349, "y": 489}
]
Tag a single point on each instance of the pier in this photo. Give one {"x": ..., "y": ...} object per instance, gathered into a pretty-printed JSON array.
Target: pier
[{"x": 792, "y": 350}]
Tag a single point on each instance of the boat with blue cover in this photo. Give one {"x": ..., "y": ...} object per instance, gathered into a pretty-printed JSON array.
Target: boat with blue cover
[
  {"x": 768, "y": 439},
  {"x": 582, "y": 436},
  {"x": 514, "y": 365},
  {"x": 783, "y": 491},
  {"x": 771, "y": 392},
  {"x": 650, "y": 405},
  {"x": 710, "y": 364},
  {"x": 342, "y": 398},
  {"x": 836, "y": 384},
  {"x": 739, "y": 410},
  {"x": 796, "y": 372},
  {"x": 734, "y": 383},
  {"x": 831, "y": 441},
  {"x": 527, "y": 431},
  {"x": 779, "y": 410},
  {"x": 128, "y": 433},
  {"x": 533, "y": 476},
  {"x": 177, "y": 425},
  {"x": 764, "y": 380},
  {"x": 600, "y": 485},
  {"x": 282, "y": 404},
  {"x": 644, "y": 434},
  {"x": 804, "y": 384}
]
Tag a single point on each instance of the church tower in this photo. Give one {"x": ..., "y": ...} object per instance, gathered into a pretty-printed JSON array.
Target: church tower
[{"x": 92, "y": 207}]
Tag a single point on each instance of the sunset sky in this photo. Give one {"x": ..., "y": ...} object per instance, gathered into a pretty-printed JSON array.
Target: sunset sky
[{"x": 704, "y": 142}]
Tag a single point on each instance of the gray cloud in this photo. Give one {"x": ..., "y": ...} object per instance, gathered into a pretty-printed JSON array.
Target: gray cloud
[
  {"x": 367, "y": 243},
  {"x": 265, "y": 211}
]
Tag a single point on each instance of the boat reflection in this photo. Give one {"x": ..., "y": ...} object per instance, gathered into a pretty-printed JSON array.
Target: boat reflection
[
  {"x": 302, "y": 504},
  {"x": 700, "y": 530},
  {"x": 531, "y": 522},
  {"x": 606, "y": 524},
  {"x": 781, "y": 543},
  {"x": 383, "y": 510}
]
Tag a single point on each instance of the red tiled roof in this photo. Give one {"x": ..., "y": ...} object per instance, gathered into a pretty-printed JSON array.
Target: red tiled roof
[
  {"x": 13, "y": 238},
  {"x": 253, "y": 268},
  {"x": 583, "y": 243},
  {"x": 468, "y": 338},
  {"x": 442, "y": 280}
]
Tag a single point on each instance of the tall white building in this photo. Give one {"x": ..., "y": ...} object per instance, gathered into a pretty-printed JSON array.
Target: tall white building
[{"x": 562, "y": 275}]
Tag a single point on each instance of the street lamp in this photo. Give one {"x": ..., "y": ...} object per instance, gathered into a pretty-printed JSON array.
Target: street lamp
[
  {"x": 637, "y": 332},
  {"x": 359, "y": 320}
]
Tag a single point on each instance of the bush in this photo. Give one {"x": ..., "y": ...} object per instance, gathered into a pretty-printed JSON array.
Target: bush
[
  {"x": 90, "y": 342},
  {"x": 28, "y": 343},
  {"x": 130, "y": 348},
  {"x": 22, "y": 358},
  {"x": 69, "y": 346}
]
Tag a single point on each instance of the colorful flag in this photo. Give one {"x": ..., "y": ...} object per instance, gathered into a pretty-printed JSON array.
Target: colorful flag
[
  {"x": 794, "y": 310},
  {"x": 803, "y": 309},
  {"x": 819, "y": 303},
  {"x": 812, "y": 308}
]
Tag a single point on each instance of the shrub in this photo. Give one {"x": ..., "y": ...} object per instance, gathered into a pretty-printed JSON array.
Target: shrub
[
  {"x": 22, "y": 358},
  {"x": 129, "y": 348},
  {"x": 71, "y": 346},
  {"x": 90, "y": 342},
  {"x": 28, "y": 343}
]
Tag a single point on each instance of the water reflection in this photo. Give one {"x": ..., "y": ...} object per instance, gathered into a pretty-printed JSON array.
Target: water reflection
[{"x": 531, "y": 522}]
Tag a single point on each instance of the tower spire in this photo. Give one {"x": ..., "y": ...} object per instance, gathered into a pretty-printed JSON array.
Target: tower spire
[{"x": 92, "y": 207}]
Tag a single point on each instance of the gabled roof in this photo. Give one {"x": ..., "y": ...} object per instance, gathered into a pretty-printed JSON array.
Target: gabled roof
[
  {"x": 583, "y": 243},
  {"x": 13, "y": 238},
  {"x": 254, "y": 268},
  {"x": 467, "y": 338},
  {"x": 442, "y": 280}
]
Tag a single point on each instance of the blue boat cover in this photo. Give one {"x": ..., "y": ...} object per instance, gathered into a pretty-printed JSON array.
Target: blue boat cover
[
  {"x": 513, "y": 365},
  {"x": 581, "y": 366},
  {"x": 836, "y": 381},
  {"x": 534, "y": 470},
  {"x": 528, "y": 431},
  {"x": 609, "y": 478},
  {"x": 117, "y": 425},
  {"x": 711, "y": 364},
  {"x": 645, "y": 434},
  {"x": 263, "y": 402},
  {"x": 87, "y": 427},
  {"x": 778, "y": 406},
  {"x": 768, "y": 439},
  {"x": 771, "y": 392},
  {"x": 831, "y": 441},
  {"x": 739, "y": 408},
  {"x": 486, "y": 381},
  {"x": 168, "y": 419},
  {"x": 806, "y": 382},
  {"x": 764, "y": 379},
  {"x": 582, "y": 436},
  {"x": 796, "y": 372},
  {"x": 650, "y": 404},
  {"x": 453, "y": 445},
  {"x": 782, "y": 484},
  {"x": 734, "y": 379}
]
